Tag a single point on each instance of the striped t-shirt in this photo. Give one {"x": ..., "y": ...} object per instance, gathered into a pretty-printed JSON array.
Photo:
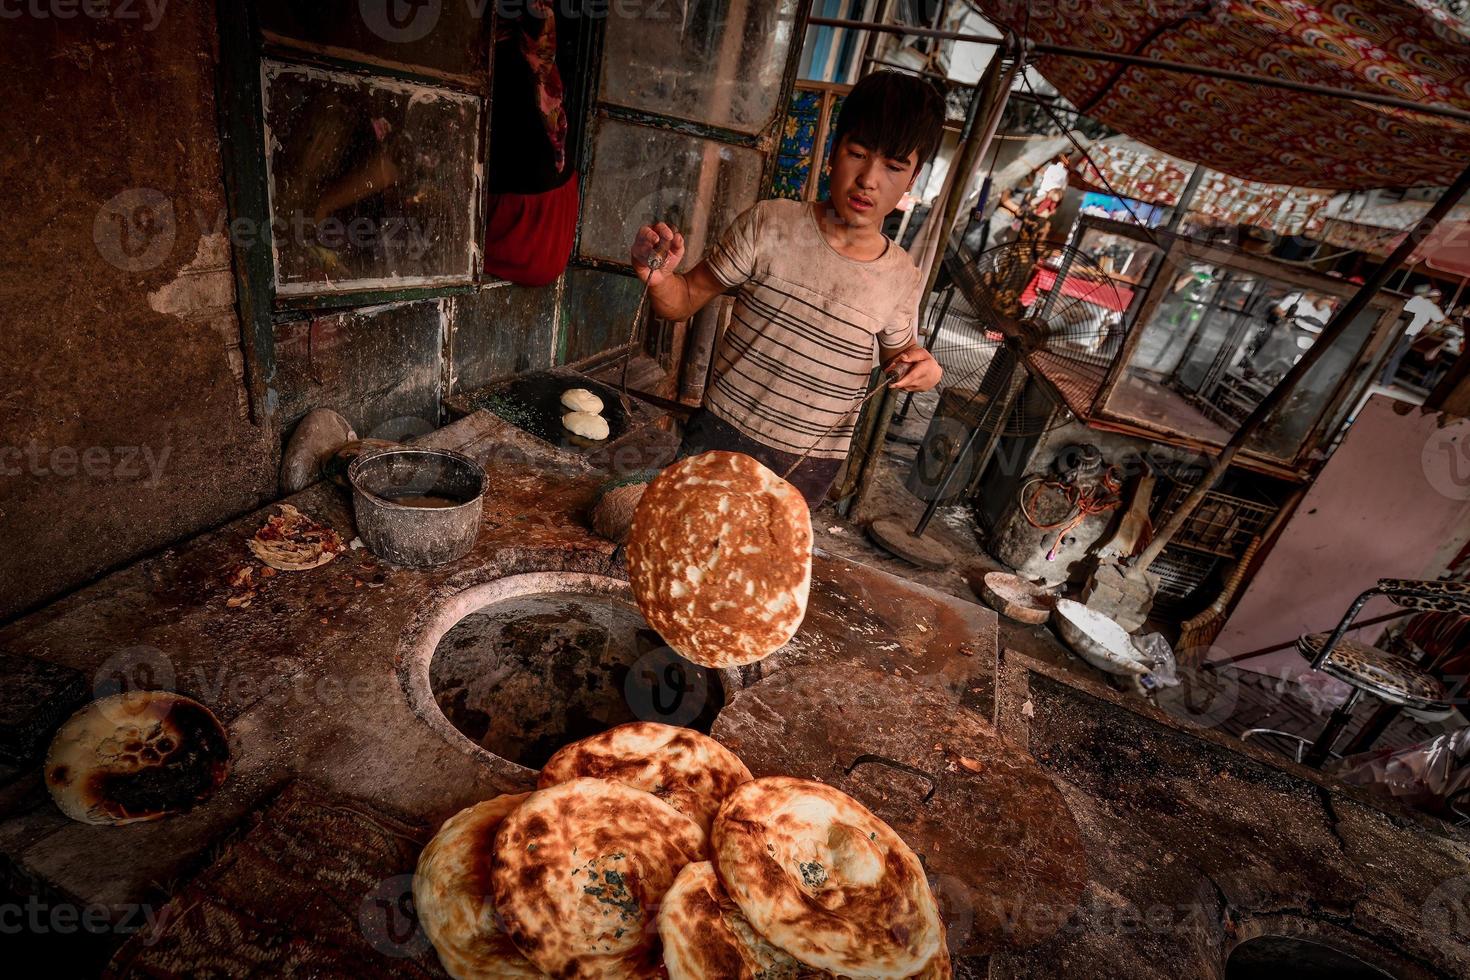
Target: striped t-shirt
[{"x": 799, "y": 349}]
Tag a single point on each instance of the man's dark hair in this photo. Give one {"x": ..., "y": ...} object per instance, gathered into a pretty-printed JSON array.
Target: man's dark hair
[{"x": 894, "y": 114}]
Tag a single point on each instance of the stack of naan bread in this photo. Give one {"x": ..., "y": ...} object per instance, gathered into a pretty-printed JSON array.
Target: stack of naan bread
[{"x": 649, "y": 851}]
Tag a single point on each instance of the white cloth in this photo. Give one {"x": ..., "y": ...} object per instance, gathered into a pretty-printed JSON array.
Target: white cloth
[
  {"x": 1053, "y": 178},
  {"x": 1303, "y": 313},
  {"x": 1422, "y": 309}
]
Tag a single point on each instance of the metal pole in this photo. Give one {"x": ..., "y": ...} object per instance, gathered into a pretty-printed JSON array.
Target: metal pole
[
  {"x": 986, "y": 111},
  {"x": 1335, "y": 328},
  {"x": 1196, "y": 177},
  {"x": 1158, "y": 64},
  {"x": 995, "y": 415}
]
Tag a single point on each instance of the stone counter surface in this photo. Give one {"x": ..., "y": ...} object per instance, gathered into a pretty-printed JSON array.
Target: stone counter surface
[{"x": 307, "y": 678}]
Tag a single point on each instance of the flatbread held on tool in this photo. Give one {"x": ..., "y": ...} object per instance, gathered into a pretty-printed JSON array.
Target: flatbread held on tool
[{"x": 720, "y": 558}]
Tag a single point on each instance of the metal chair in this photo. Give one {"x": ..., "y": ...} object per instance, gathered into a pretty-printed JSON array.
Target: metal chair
[{"x": 1387, "y": 676}]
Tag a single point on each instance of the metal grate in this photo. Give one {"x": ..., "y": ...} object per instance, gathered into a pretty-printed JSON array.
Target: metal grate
[
  {"x": 1221, "y": 525},
  {"x": 1181, "y": 574}
]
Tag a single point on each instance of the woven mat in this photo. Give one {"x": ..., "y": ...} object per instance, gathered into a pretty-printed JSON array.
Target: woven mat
[{"x": 319, "y": 886}]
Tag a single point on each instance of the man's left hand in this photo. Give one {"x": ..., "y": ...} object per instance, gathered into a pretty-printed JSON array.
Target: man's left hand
[{"x": 919, "y": 368}]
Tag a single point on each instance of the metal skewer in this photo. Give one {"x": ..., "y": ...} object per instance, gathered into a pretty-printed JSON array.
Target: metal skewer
[{"x": 655, "y": 261}]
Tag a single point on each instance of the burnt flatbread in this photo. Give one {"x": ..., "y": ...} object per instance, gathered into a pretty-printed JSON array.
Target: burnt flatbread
[
  {"x": 720, "y": 558},
  {"x": 292, "y": 542},
  {"x": 821, "y": 877},
  {"x": 691, "y": 772},
  {"x": 136, "y": 756},
  {"x": 579, "y": 872},
  {"x": 451, "y": 895}
]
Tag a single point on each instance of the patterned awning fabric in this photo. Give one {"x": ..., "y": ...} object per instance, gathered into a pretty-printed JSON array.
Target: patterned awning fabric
[
  {"x": 1410, "y": 49},
  {"x": 1144, "y": 174}
]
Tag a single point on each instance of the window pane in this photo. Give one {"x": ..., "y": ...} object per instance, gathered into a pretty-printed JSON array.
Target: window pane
[
  {"x": 719, "y": 62},
  {"x": 798, "y": 145},
  {"x": 640, "y": 174},
  {"x": 371, "y": 180},
  {"x": 1219, "y": 342},
  {"x": 444, "y": 36}
]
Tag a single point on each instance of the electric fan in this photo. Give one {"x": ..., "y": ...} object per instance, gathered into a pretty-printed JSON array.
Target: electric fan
[{"x": 1027, "y": 328}]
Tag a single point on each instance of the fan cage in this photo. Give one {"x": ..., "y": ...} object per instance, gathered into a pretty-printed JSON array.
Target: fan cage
[{"x": 1014, "y": 286}]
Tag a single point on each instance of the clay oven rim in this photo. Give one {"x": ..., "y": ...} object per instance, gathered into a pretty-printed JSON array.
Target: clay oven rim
[{"x": 439, "y": 614}]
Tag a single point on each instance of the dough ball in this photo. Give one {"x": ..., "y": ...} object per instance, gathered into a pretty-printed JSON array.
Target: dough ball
[
  {"x": 585, "y": 424},
  {"x": 581, "y": 400}
]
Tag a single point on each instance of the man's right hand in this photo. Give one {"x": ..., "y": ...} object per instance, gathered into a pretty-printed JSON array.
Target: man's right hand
[{"x": 662, "y": 239}]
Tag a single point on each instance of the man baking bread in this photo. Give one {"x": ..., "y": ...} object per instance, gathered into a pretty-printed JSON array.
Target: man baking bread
[{"x": 815, "y": 284}]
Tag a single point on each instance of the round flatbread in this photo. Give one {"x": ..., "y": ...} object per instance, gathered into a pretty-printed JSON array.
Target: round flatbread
[
  {"x": 821, "y": 877},
  {"x": 690, "y": 772},
  {"x": 579, "y": 872},
  {"x": 706, "y": 935},
  {"x": 720, "y": 558},
  {"x": 585, "y": 424},
  {"x": 136, "y": 756},
  {"x": 292, "y": 542},
  {"x": 451, "y": 895},
  {"x": 581, "y": 400}
]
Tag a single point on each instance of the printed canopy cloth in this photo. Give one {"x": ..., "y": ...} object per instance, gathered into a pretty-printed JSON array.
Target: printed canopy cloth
[
  {"x": 1377, "y": 228},
  {"x": 1139, "y": 172},
  {"x": 1409, "y": 49}
]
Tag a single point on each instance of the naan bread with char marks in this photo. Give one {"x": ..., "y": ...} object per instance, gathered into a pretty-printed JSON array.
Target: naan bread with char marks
[
  {"x": 451, "y": 894},
  {"x": 706, "y": 935},
  {"x": 136, "y": 756},
  {"x": 690, "y": 772},
  {"x": 822, "y": 878},
  {"x": 579, "y": 871},
  {"x": 720, "y": 558}
]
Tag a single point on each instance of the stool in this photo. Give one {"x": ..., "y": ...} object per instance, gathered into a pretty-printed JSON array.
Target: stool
[{"x": 1387, "y": 676}]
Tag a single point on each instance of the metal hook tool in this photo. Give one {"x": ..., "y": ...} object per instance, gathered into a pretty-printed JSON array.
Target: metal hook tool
[{"x": 655, "y": 261}]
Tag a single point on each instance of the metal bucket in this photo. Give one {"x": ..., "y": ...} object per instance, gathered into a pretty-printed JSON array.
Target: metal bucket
[{"x": 417, "y": 507}]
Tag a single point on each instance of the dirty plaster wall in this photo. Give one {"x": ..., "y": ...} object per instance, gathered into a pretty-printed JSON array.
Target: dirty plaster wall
[
  {"x": 1393, "y": 501},
  {"x": 502, "y": 330},
  {"x": 380, "y": 366},
  {"x": 123, "y": 419}
]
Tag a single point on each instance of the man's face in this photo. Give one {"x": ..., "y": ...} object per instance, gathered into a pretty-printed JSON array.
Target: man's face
[{"x": 866, "y": 185}]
